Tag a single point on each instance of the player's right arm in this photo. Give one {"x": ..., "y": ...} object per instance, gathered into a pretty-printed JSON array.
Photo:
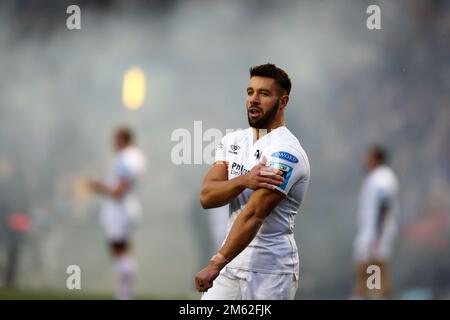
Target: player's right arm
[
  {"x": 116, "y": 193},
  {"x": 217, "y": 190}
]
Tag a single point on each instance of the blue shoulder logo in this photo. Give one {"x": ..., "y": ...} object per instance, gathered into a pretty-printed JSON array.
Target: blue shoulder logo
[{"x": 285, "y": 156}]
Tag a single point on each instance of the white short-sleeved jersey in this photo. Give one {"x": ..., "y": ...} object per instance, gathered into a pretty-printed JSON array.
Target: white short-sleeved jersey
[
  {"x": 118, "y": 215},
  {"x": 273, "y": 250},
  {"x": 217, "y": 220},
  {"x": 377, "y": 215}
]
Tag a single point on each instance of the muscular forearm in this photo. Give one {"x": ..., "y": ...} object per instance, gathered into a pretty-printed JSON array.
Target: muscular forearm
[
  {"x": 218, "y": 193},
  {"x": 243, "y": 231}
]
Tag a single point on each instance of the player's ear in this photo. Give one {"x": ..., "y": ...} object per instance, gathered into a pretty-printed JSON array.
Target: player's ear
[{"x": 284, "y": 101}]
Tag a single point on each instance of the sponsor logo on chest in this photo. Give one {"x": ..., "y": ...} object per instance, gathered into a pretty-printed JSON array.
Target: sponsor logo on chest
[{"x": 238, "y": 169}]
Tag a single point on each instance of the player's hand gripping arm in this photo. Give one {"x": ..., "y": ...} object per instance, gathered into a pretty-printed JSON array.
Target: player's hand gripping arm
[
  {"x": 244, "y": 229},
  {"x": 217, "y": 190}
]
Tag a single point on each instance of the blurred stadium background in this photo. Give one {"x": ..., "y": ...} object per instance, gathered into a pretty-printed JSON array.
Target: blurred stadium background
[{"x": 61, "y": 97}]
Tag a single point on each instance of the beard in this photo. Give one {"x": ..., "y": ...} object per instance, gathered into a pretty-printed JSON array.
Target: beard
[{"x": 264, "y": 120}]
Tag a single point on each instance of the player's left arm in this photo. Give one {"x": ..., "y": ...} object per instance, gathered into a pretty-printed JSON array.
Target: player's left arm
[
  {"x": 244, "y": 229},
  {"x": 248, "y": 222},
  {"x": 117, "y": 192},
  {"x": 127, "y": 173}
]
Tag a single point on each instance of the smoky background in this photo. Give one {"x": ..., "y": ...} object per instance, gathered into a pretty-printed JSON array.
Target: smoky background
[{"x": 60, "y": 99}]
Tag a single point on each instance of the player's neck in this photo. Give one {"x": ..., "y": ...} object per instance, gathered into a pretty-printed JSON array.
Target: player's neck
[
  {"x": 123, "y": 147},
  {"x": 259, "y": 133}
]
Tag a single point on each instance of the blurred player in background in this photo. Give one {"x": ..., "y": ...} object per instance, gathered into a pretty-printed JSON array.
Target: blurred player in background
[
  {"x": 121, "y": 207},
  {"x": 263, "y": 173},
  {"x": 377, "y": 223}
]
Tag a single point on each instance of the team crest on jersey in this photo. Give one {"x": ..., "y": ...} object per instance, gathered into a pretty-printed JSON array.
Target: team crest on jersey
[
  {"x": 285, "y": 156},
  {"x": 234, "y": 148},
  {"x": 286, "y": 172},
  {"x": 257, "y": 154}
]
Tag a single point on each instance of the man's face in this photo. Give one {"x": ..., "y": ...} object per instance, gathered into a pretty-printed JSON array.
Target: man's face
[{"x": 262, "y": 102}]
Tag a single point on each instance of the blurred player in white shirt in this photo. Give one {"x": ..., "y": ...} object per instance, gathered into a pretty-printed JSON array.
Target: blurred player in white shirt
[
  {"x": 263, "y": 173},
  {"x": 377, "y": 223},
  {"x": 121, "y": 207}
]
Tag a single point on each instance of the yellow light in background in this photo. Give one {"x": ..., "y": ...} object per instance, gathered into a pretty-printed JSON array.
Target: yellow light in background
[{"x": 134, "y": 88}]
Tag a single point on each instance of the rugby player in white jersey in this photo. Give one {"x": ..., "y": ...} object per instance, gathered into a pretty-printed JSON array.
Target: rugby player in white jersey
[
  {"x": 377, "y": 223},
  {"x": 263, "y": 173},
  {"x": 121, "y": 207}
]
